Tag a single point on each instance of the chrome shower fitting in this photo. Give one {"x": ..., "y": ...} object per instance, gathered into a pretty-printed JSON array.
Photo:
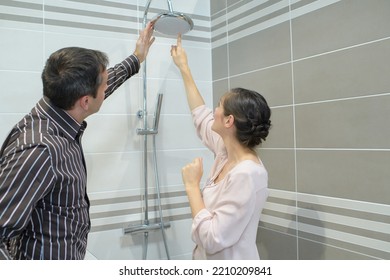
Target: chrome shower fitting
[
  {"x": 169, "y": 23},
  {"x": 172, "y": 23}
]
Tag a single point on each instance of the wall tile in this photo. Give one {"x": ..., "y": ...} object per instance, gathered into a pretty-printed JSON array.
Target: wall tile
[
  {"x": 329, "y": 108},
  {"x": 274, "y": 83},
  {"x": 280, "y": 167},
  {"x": 22, "y": 15},
  {"x": 112, "y": 134},
  {"x": 276, "y": 246},
  {"x": 356, "y": 175},
  {"x": 177, "y": 133},
  {"x": 128, "y": 168},
  {"x": 125, "y": 170},
  {"x": 125, "y": 247},
  {"x": 216, "y": 6},
  {"x": 358, "y": 71},
  {"x": 28, "y": 46},
  {"x": 356, "y": 123},
  {"x": 281, "y": 134},
  {"x": 174, "y": 95},
  {"x": 339, "y": 51},
  {"x": 220, "y": 87},
  {"x": 171, "y": 162},
  {"x": 21, "y": 98},
  {"x": 309, "y": 250},
  {"x": 220, "y": 62},
  {"x": 342, "y": 24},
  {"x": 7, "y": 122},
  {"x": 113, "y": 150},
  {"x": 259, "y": 50}
]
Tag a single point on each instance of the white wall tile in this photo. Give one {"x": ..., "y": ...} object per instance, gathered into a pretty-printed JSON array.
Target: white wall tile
[
  {"x": 111, "y": 133},
  {"x": 113, "y": 171},
  {"x": 116, "y": 49},
  {"x": 171, "y": 162},
  {"x": 20, "y": 91},
  {"x": 113, "y": 244},
  {"x": 21, "y": 50},
  {"x": 127, "y": 99},
  {"x": 7, "y": 122},
  {"x": 113, "y": 150}
]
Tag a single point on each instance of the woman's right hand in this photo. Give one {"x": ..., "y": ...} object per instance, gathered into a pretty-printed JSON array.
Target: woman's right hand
[
  {"x": 180, "y": 59},
  {"x": 179, "y": 55}
]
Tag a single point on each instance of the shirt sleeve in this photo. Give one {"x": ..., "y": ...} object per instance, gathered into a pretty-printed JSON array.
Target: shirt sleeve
[
  {"x": 203, "y": 120},
  {"x": 25, "y": 177},
  {"x": 4, "y": 255},
  {"x": 118, "y": 74},
  {"x": 223, "y": 226}
]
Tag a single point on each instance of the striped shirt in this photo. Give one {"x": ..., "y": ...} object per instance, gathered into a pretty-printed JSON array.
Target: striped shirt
[{"x": 44, "y": 206}]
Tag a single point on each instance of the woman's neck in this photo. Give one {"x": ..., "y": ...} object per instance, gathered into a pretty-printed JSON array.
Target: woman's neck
[{"x": 237, "y": 152}]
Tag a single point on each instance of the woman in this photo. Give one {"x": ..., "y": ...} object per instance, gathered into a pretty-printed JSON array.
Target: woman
[{"x": 226, "y": 211}]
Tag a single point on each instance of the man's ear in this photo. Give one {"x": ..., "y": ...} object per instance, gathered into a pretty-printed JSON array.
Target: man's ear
[{"x": 84, "y": 102}]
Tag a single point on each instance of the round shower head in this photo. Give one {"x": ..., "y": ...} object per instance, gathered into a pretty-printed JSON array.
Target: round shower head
[{"x": 172, "y": 23}]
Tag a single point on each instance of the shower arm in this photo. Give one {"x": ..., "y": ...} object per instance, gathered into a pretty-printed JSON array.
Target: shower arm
[
  {"x": 147, "y": 10},
  {"x": 170, "y": 6}
]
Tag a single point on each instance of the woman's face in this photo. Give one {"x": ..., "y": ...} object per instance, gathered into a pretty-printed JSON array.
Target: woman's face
[{"x": 218, "y": 117}]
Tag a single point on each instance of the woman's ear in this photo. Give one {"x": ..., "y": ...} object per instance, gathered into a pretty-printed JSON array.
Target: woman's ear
[{"x": 229, "y": 121}]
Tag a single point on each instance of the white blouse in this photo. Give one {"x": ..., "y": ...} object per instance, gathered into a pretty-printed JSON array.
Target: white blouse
[{"x": 226, "y": 229}]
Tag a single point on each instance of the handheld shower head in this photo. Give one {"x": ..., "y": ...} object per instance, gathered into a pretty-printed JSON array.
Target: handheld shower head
[{"x": 172, "y": 23}]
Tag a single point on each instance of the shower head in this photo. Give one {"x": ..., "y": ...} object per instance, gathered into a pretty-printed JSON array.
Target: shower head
[{"x": 172, "y": 23}]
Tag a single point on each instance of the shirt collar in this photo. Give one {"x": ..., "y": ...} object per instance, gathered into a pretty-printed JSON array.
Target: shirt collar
[{"x": 65, "y": 122}]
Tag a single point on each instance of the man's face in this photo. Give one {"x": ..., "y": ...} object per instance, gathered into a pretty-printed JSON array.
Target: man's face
[{"x": 97, "y": 102}]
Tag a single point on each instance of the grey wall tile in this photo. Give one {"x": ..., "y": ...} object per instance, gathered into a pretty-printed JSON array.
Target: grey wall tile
[
  {"x": 334, "y": 249},
  {"x": 356, "y": 175},
  {"x": 259, "y": 14},
  {"x": 216, "y": 6},
  {"x": 273, "y": 245},
  {"x": 220, "y": 87},
  {"x": 259, "y": 50},
  {"x": 352, "y": 72},
  {"x": 356, "y": 123},
  {"x": 219, "y": 57},
  {"x": 360, "y": 214},
  {"x": 280, "y": 167},
  {"x": 340, "y": 25},
  {"x": 309, "y": 250},
  {"x": 341, "y": 104},
  {"x": 235, "y": 2},
  {"x": 281, "y": 134},
  {"x": 273, "y": 83},
  {"x": 363, "y": 231}
]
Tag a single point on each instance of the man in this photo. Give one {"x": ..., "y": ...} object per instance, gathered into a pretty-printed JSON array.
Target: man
[{"x": 44, "y": 207}]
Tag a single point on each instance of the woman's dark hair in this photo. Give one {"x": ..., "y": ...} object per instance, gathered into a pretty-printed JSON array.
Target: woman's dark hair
[
  {"x": 251, "y": 115},
  {"x": 71, "y": 73}
]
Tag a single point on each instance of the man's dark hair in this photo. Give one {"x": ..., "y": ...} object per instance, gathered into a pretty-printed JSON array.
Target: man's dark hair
[{"x": 71, "y": 73}]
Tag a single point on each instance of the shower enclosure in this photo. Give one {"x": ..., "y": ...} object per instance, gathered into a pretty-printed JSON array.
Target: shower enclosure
[{"x": 169, "y": 23}]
